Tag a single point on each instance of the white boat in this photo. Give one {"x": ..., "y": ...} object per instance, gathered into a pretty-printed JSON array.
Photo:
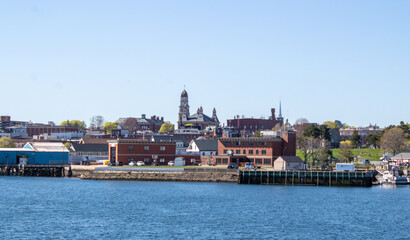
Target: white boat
[{"x": 390, "y": 178}]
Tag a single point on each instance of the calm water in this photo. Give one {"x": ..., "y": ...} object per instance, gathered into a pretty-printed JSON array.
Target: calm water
[{"x": 59, "y": 208}]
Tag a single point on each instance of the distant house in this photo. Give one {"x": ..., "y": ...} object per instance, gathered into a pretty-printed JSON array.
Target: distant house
[
  {"x": 403, "y": 157},
  {"x": 180, "y": 141},
  {"x": 80, "y": 153},
  {"x": 288, "y": 163},
  {"x": 143, "y": 124},
  {"x": 203, "y": 147}
]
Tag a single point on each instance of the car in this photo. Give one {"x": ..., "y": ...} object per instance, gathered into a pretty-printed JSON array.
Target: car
[
  {"x": 232, "y": 166},
  {"x": 140, "y": 163},
  {"x": 249, "y": 166},
  {"x": 132, "y": 163},
  {"x": 171, "y": 163}
]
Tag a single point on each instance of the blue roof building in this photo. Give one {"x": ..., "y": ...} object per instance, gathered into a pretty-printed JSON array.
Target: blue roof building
[{"x": 35, "y": 153}]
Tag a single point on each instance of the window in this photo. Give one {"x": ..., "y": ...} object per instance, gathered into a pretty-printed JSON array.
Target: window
[
  {"x": 130, "y": 159},
  {"x": 257, "y": 151},
  {"x": 146, "y": 148},
  {"x": 244, "y": 151},
  {"x": 162, "y": 159},
  {"x": 218, "y": 161},
  {"x": 266, "y": 161},
  {"x": 258, "y": 161},
  {"x": 162, "y": 148},
  {"x": 130, "y": 148},
  {"x": 193, "y": 160},
  {"x": 238, "y": 152},
  {"x": 250, "y": 151},
  {"x": 263, "y": 152},
  {"x": 146, "y": 160},
  {"x": 250, "y": 143},
  {"x": 225, "y": 160},
  {"x": 263, "y": 143},
  {"x": 225, "y": 151},
  {"x": 238, "y": 143}
]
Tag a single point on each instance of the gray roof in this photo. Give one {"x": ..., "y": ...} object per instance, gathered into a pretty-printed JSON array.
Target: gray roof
[
  {"x": 199, "y": 118},
  {"x": 294, "y": 159},
  {"x": 169, "y": 138},
  {"x": 91, "y": 147},
  {"x": 403, "y": 155},
  {"x": 207, "y": 145}
]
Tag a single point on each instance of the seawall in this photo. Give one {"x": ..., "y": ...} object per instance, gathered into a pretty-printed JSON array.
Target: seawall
[{"x": 154, "y": 174}]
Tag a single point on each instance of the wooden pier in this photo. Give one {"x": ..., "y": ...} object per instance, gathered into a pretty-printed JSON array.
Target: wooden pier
[
  {"x": 312, "y": 178},
  {"x": 32, "y": 170}
]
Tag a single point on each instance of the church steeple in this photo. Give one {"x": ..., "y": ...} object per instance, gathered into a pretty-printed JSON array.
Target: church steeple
[{"x": 183, "y": 108}]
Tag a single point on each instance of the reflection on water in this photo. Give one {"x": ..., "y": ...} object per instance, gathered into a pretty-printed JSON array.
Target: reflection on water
[{"x": 59, "y": 208}]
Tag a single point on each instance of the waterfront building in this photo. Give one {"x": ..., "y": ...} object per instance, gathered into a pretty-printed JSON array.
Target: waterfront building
[
  {"x": 288, "y": 163},
  {"x": 260, "y": 151},
  {"x": 86, "y": 153},
  {"x": 401, "y": 158},
  {"x": 203, "y": 147},
  {"x": 35, "y": 153},
  {"x": 124, "y": 151}
]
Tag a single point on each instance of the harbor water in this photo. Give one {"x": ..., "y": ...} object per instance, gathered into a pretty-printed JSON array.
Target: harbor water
[{"x": 63, "y": 208}]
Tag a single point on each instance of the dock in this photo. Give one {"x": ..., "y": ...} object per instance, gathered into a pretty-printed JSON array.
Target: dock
[
  {"x": 43, "y": 170},
  {"x": 312, "y": 178}
]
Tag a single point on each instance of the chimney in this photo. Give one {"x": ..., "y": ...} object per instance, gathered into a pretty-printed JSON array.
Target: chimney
[
  {"x": 273, "y": 113},
  {"x": 153, "y": 117},
  {"x": 162, "y": 118},
  {"x": 143, "y": 116}
]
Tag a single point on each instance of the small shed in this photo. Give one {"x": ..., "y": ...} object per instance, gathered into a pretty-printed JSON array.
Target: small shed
[{"x": 288, "y": 163}]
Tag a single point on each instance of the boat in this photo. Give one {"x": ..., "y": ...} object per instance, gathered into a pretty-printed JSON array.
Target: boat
[{"x": 390, "y": 177}]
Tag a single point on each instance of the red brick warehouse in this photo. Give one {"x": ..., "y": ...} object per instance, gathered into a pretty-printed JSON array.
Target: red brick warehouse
[{"x": 123, "y": 151}]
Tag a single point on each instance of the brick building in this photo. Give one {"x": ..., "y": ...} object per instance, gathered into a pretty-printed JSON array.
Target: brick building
[
  {"x": 247, "y": 126},
  {"x": 260, "y": 151},
  {"x": 123, "y": 151},
  {"x": 143, "y": 124}
]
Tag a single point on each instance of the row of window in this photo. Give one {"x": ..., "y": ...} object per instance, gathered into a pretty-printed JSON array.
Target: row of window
[
  {"x": 250, "y": 151},
  {"x": 146, "y": 148},
  {"x": 245, "y": 143},
  {"x": 221, "y": 161},
  {"x": 260, "y": 161}
]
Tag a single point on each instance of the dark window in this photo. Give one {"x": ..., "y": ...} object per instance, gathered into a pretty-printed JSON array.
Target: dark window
[
  {"x": 225, "y": 151},
  {"x": 257, "y": 151},
  {"x": 263, "y": 143},
  {"x": 250, "y": 151},
  {"x": 244, "y": 151},
  {"x": 146, "y": 148},
  {"x": 250, "y": 143},
  {"x": 263, "y": 152},
  {"x": 238, "y": 152},
  {"x": 225, "y": 160},
  {"x": 266, "y": 161},
  {"x": 218, "y": 161},
  {"x": 258, "y": 161},
  {"x": 130, "y": 148}
]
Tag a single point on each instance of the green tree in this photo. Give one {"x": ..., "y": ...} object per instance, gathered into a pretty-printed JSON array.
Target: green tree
[
  {"x": 346, "y": 150},
  {"x": 394, "y": 139},
  {"x": 6, "y": 142},
  {"x": 312, "y": 131},
  {"x": 166, "y": 127},
  {"x": 373, "y": 140},
  {"x": 331, "y": 124},
  {"x": 356, "y": 139},
  {"x": 73, "y": 123},
  {"x": 109, "y": 126}
]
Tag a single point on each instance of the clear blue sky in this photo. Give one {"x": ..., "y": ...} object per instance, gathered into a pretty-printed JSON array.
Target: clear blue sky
[{"x": 325, "y": 60}]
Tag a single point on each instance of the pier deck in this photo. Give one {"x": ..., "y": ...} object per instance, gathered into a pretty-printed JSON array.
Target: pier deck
[{"x": 313, "y": 178}]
